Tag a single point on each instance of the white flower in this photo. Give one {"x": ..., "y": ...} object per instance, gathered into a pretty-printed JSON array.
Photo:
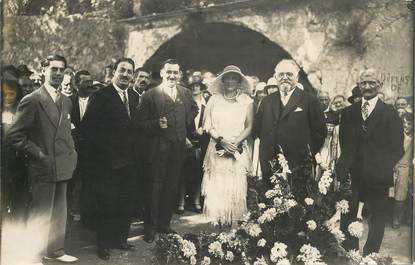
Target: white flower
[
  {"x": 270, "y": 194},
  {"x": 356, "y": 229},
  {"x": 311, "y": 224},
  {"x": 229, "y": 256},
  {"x": 290, "y": 203},
  {"x": 368, "y": 261},
  {"x": 309, "y": 254},
  {"x": 283, "y": 261},
  {"x": 355, "y": 256},
  {"x": 338, "y": 234},
  {"x": 261, "y": 243},
  {"x": 193, "y": 260},
  {"x": 322, "y": 189},
  {"x": 205, "y": 261},
  {"x": 267, "y": 216},
  {"x": 309, "y": 201},
  {"x": 262, "y": 206},
  {"x": 342, "y": 206},
  {"x": 252, "y": 229},
  {"x": 278, "y": 251},
  {"x": 324, "y": 182},
  {"x": 215, "y": 248},
  {"x": 223, "y": 237},
  {"x": 260, "y": 261},
  {"x": 188, "y": 248},
  {"x": 277, "y": 201}
]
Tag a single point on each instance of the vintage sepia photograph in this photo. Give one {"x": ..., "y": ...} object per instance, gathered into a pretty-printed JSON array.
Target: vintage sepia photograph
[{"x": 207, "y": 132}]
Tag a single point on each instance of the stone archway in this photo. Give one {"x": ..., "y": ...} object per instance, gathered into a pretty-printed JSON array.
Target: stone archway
[{"x": 211, "y": 46}]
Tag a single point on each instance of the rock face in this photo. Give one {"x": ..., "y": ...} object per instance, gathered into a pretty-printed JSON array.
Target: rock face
[{"x": 331, "y": 40}]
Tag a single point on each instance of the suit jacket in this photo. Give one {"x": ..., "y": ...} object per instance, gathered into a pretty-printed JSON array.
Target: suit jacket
[
  {"x": 152, "y": 108},
  {"x": 40, "y": 127},
  {"x": 297, "y": 127},
  {"x": 110, "y": 132},
  {"x": 381, "y": 145}
]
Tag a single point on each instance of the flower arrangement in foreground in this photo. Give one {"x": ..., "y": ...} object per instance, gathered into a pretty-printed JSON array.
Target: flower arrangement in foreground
[{"x": 294, "y": 222}]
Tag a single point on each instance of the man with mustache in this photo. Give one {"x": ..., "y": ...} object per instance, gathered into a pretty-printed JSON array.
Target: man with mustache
[
  {"x": 42, "y": 130},
  {"x": 371, "y": 143},
  {"x": 111, "y": 135},
  {"x": 142, "y": 81},
  {"x": 165, "y": 112},
  {"x": 289, "y": 118}
]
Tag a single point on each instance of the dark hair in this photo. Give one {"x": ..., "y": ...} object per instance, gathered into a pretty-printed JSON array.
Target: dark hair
[
  {"x": 55, "y": 57},
  {"x": 169, "y": 61},
  {"x": 12, "y": 83},
  {"x": 78, "y": 76},
  {"x": 124, "y": 59},
  {"x": 141, "y": 69}
]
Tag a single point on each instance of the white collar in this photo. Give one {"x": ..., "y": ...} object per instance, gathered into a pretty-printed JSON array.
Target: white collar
[
  {"x": 372, "y": 102},
  {"x": 51, "y": 91},
  {"x": 289, "y": 93},
  {"x": 119, "y": 90}
]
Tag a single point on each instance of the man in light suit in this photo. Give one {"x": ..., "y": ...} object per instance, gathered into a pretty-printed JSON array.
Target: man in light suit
[
  {"x": 165, "y": 113},
  {"x": 289, "y": 118},
  {"x": 42, "y": 129},
  {"x": 371, "y": 142},
  {"x": 110, "y": 132}
]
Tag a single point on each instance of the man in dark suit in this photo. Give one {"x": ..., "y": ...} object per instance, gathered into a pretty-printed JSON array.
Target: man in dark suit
[
  {"x": 42, "y": 129},
  {"x": 164, "y": 114},
  {"x": 371, "y": 142},
  {"x": 111, "y": 136},
  {"x": 80, "y": 190},
  {"x": 289, "y": 118},
  {"x": 142, "y": 81}
]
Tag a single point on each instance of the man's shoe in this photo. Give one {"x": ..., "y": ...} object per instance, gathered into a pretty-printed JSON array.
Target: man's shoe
[
  {"x": 104, "y": 253},
  {"x": 149, "y": 237},
  {"x": 126, "y": 247},
  {"x": 64, "y": 258}
]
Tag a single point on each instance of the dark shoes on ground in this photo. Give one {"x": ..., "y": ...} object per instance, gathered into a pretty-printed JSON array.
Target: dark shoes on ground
[
  {"x": 126, "y": 247},
  {"x": 149, "y": 236},
  {"x": 104, "y": 253}
]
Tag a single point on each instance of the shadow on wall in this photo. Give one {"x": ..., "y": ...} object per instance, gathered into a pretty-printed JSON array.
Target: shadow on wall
[{"x": 212, "y": 46}]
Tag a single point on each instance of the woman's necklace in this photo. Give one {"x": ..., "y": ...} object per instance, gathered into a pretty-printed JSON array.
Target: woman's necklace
[{"x": 231, "y": 98}]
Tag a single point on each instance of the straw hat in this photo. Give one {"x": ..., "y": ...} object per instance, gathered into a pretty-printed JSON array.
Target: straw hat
[
  {"x": 217, "y": 84},
  {"x": 260, "y": 87}
]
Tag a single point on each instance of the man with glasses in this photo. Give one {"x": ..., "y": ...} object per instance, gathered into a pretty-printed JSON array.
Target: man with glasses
[{"x": 371, "y": 142}]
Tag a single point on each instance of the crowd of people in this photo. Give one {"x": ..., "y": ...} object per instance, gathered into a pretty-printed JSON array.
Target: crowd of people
[{"x": 107, "y": 151}]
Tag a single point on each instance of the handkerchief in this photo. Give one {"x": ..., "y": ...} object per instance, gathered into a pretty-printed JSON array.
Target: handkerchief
[{"x": 298, "y": 109}]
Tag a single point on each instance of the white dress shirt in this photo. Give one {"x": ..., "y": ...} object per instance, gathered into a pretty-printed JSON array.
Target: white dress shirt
[
  {"x": 51, "y": 91},
  {"x": 171, "y": 91},
  {"x": 372, "y": 104},
  {"x": 286, "y": 98},
  {"x": 121, "y": 92},
  {"x": 83, "y": 103}
]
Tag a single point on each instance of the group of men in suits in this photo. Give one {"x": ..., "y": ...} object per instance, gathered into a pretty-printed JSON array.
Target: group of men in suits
[{"x": 121, "y": 134}]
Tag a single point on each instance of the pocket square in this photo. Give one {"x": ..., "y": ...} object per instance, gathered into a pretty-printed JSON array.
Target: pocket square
[{"x": 298, "y": 109}]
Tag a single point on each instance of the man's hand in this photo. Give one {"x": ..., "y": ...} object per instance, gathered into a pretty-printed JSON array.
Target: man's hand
[
  {"x": 163, "y": 122},
  {"x": 199, "y": 131}
]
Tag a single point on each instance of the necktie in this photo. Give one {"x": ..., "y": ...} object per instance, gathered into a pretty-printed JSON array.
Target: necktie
[
  {"x": 125, "y": 102},
  {"x": 58, "y": 100},
  {"x": 365, "y": 110}
]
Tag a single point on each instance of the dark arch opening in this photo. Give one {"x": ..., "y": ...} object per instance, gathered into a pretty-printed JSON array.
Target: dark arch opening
[{"x": 212, "y": 46}]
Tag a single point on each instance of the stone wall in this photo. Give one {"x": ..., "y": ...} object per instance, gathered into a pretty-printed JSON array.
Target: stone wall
[
  {"x": 87, "y": 43},
  {"x": 331, "y": 44}
]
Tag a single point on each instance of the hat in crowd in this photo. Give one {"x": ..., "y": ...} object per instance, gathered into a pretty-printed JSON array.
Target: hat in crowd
[
  {"x": 24, "y": 70},
  {"x": 272, "y": 82},
  {"x": 196, "y": 78},
  {"x": 217, "y": 84},
  {"x": 260, "y": 87},
  {"x": 356, "y": 93}
]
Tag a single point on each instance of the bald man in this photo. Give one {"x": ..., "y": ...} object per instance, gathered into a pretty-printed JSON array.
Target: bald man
[
  {"x": 371, "y": 142},
  {"x": 289, "y": 118}
]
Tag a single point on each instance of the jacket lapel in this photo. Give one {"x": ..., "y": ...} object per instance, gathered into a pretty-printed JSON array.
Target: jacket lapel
[
  {"x": 49, "y": 106},
  {"x": 375, "y": 116},
  {"x": 276, "y": 105},
  {"x": 292, "y": 103}
]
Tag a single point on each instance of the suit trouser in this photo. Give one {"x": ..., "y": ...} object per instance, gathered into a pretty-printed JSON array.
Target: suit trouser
[
  {"x": 375, "y": 200},
  {"x": 115, "y": 203},
  {"x": 165, "y": 171},
  {"x": 47, "y": 215}
]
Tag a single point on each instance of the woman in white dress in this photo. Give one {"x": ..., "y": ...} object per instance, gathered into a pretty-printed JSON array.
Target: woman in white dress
[{"x": 228, "y": 120}]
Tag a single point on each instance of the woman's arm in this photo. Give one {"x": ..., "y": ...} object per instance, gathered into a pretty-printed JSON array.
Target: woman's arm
[{"x": 249, "y": 121}]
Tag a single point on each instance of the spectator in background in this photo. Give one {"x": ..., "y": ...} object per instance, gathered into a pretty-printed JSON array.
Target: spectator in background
[
  {"x": 142, "y": 81},
  {"x": 272, "y": 86},
  {"x": 338, "y": 104},
  {"x": 356, "y": 95},
  {"x": 108, "y": 74},
  {"x": 401, "y": 103},
  {"x": 68, "y": 82},
  {"x": 403, "y": 171},
  {"x": 259, "y": 94},
  {"x": 37, "y": 79},
  {"x": 329, "y": 115},
  {"x": 26, "y": 84}
]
